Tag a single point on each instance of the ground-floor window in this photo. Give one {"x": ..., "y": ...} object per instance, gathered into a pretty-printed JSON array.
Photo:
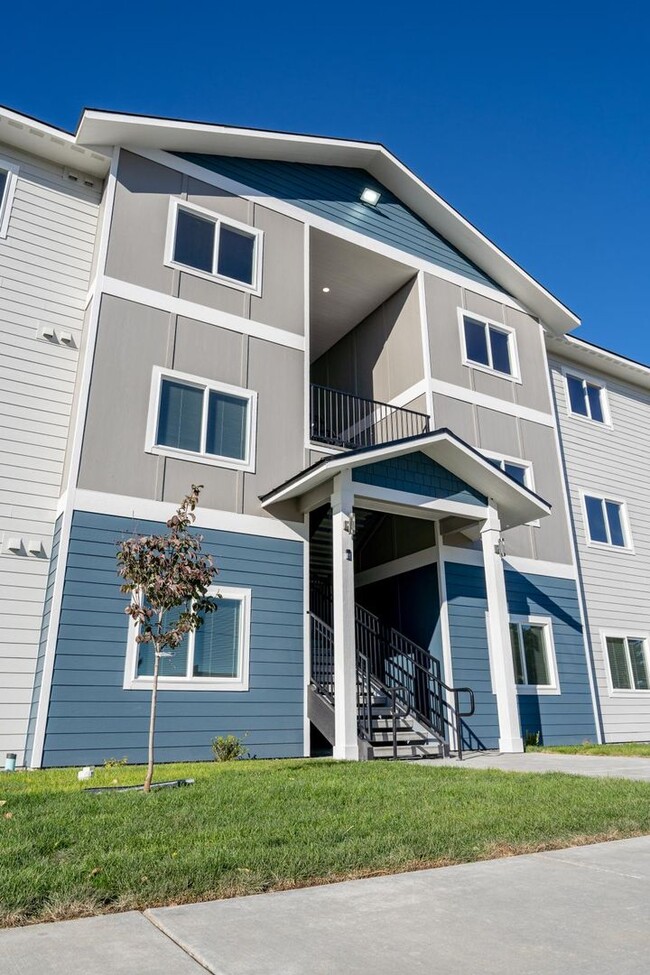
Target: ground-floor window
[
  {"x": 627, "y": 657},
  {"x": 533, "y": 654}
]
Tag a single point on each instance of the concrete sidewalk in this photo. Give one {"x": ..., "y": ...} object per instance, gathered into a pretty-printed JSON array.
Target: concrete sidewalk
[
  {"x": 610, "y": 766},
  {"x": 581, "y": 911}
]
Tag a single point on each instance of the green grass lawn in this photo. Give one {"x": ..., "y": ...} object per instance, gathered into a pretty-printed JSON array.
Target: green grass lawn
[
  {"x": 628, "y": 749},
  {"x": 247, "y": 827}
]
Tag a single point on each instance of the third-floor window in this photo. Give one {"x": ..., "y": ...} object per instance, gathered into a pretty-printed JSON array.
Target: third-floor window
[
  {"x": 586, "y": 398},
  {"x": 489, "y": 346}
]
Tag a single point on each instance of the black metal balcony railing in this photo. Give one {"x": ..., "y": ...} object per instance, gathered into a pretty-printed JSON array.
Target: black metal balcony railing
[{"x": 343, "y": 420}]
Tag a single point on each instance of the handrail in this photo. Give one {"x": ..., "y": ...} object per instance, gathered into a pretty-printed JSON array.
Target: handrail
[{"x": 343, "y": 419}]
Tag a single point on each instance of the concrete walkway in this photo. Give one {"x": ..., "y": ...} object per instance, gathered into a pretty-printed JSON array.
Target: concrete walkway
[
  {"x": 595, "y": 765},
  {"x": 582, "y": 910}
]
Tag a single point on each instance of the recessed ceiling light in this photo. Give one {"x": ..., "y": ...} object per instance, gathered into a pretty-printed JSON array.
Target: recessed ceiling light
[
  {"x": 370, "y": 196},
  {"x": 326, "y": 291}
]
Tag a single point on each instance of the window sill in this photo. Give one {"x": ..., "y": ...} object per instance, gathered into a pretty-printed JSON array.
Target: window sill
[
  {"x": 492, "y": 372},
  {"x": 534, "y": 690},
  {"x": 220, "y": 684},
  {"x": 601, "y": 424},
  {"x": 249, "y": 289},
  {"x": 224, "y": 462},
  {"x": 628, "y": 692},
  {"x": 606, "y": 547}
]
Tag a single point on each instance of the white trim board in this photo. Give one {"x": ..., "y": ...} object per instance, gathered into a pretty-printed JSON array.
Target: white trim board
[
  {"x": 467, "y": 395},
  {"x": 472, "y": 556},
  {"x": 146, "y": 509},
  {"x": 200, "y": 313},
  {"x": 406, "y": 563}
]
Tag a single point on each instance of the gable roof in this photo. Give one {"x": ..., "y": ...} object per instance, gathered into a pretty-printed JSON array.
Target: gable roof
[{"x": 99, "y": 128}]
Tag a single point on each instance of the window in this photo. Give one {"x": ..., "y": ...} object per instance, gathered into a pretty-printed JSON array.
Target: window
[
  {"x": 489, "y": 346},
  {"x": 606, "y": 521},
  {"x": 520, "y": 472},
  {"x": 8, "y": 178},
  {"x": 586, "y": 399},
  {"x": 627, "y": 657},
  {"x": 532, "y": 653},
  {"x": 214, "y": 247},
  {"x": 207, "y": 420},
  {"x": 215, "y": 657}
]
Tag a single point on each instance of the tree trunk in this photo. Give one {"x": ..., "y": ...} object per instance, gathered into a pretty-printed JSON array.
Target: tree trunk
[{"x": 152, "y": 718}]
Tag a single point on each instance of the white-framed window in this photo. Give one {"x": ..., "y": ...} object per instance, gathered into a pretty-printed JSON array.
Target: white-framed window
[
  {"x": 628, "y": 663},
  {"x": 586, "y": 399},
  {"x": 214, "y": 247},
  {"x": 533, "y": 655},
  {"x": 606, "y": 520},
  {"x": 520, "y": 470},
  {"x": 488, "y": 346},
  {"x": 213, "y": 658},
  {"x": 201, "y": 419},
  {"x": 8, "y": 180}
]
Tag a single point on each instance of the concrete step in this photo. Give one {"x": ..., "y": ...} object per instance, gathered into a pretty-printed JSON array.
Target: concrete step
[{"x": 404, "y": 752}]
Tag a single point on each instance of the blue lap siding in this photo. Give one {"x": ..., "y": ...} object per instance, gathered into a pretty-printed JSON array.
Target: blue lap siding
[
  {"x": 418, "y": 474},
  {"x": 333, "y": 192},
  {"x": 92, "y": 717}
]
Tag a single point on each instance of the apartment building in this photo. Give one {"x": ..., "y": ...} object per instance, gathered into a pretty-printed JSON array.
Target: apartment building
[{"x": 400, "y": 498}]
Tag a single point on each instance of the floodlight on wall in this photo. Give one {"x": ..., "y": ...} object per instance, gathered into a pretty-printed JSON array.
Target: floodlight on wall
[{"x": 370, "y": 196}]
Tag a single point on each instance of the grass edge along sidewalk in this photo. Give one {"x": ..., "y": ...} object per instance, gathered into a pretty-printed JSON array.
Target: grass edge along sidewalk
[{"x": 252, "y": 826}]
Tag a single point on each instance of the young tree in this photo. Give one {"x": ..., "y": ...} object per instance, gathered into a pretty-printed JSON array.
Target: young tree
[{"x": 164, "y": 573}]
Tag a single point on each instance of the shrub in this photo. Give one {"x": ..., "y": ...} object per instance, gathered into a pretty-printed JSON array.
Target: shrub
[{"x": 228, "y": 748}]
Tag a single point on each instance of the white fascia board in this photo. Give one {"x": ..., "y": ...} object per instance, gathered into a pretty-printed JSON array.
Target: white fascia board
[
  {"x": 109, "y": 128},
  {"x": 517, "y": 505},
  {"x": 44, "y": 140},
  {"x": 590, "y": 357}
]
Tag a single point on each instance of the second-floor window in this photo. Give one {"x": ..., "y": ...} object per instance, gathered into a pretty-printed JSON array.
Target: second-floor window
[
  {"x": 8, "y": 174},
  {"x": 215, "y": 247},
  {"x": 606, "y": 521},
  {"x": 627, "y": 657},
  {"x": 489, "y": 346},
  {"x": 201, "y": 419},
  {"x": 586, "y": 398}
]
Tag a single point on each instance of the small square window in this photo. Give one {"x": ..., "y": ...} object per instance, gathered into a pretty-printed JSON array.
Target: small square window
[
  {"x": 586, "y": 399},
  {"x": 214, "y": 246},
  {"x": 628, "y": 663},
  {"x": 532, "y": 653},
  {"x": 201, "y": 419},
  {"x": 487, "y": 345},
  {"x": 605, "y": 521}
]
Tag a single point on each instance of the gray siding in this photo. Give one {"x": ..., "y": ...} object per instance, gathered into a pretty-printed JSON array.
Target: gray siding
[
  {"x": 91, "y": 717},
  {"x": 612, "y": 461},
  {"x": 45, "y": 264}
]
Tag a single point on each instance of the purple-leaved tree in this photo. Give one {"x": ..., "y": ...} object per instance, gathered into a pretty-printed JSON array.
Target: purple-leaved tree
[{"x": 163, "y": 573}]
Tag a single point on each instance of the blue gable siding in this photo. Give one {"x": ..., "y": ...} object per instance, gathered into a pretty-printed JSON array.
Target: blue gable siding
[
  {"x": 568, "y": 717},
  {"x": 45, "y": 627},
  {"x": 418, "y": 474},
  {"x": 92, "y": 717},
  {"x": 467, "y": 606},
  {"x": 333, "y": 192}
]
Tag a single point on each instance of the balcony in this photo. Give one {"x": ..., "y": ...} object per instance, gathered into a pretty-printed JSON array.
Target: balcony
[{"x": 342, "y": 420}]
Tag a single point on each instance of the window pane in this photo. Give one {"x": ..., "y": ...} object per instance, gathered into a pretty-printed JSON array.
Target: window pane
[
  {"x": 516, "y": 471},
  {"x": 476, "y": 342},
  {"x": 499, "y": 343},
  {"x": 535, "y": 653},
  {"x": 227, "y": 426},
  {"x": 618, "y": 663},
  {"x": 516, "y": 654},
  {"x": 179, "y": 421},
  {"x": 638, "y": 662},
  {"x": 615, "y": 523},
  {"x": 595, "y": 404},
  {"x": 216, "y": 647},
  {"x": 236, "y": 252},
  {"x": 3, "y": 184},
  {"x": 576, "y": 395},
  {"x": 194, "y": 244},
  {"x": 172, "y": 666},
  {"x": 596, "y": 519}
]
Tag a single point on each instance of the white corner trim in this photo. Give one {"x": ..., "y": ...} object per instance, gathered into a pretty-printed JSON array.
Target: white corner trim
[
  {"x": 240, "y": 683},
  {"x": 201, "y": 313},
  {"x": 467, "y": 395},
  {"x": 11, "y": 169},
  {"x": 145, "y": 509},
  {"x": 426, "y": 346},
  {"x": 159, "y": 373},
  {"x": 176, "y": 204}
]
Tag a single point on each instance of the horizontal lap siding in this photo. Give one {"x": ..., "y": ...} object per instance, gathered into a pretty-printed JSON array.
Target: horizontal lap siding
[
  {"x": 333, "y": 192},
  {"x": 568, "y": 717},
  {"x": 92, "y": 717},
  {"x": 612, "y": 461},
  {"x": 45, "y": 266}
]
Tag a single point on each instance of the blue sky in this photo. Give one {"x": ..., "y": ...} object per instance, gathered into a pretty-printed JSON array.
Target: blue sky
[{"x": 532, "y": 120}]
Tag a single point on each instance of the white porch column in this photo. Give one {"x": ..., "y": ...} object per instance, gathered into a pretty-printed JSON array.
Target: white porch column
[
  {"x": 345, "y": 664},
  {"x": 501, "y": 664}
]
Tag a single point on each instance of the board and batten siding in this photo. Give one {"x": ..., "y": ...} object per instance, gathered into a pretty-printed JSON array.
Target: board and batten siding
[
  {"x": 45, "y": 263},
  {"x": 612, "y": 461},
  {"x": 91, "y": 716}
]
